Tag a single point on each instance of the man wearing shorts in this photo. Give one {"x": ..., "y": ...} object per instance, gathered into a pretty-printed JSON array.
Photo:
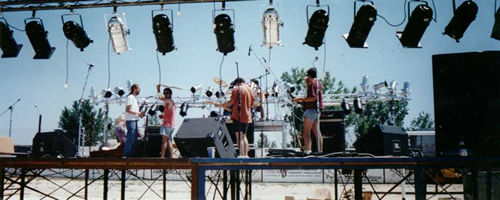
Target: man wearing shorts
[
  {"x": 312, "y": 104},
  {"x": 242, "y": 99},
  {"x": 167, "y": 127}
]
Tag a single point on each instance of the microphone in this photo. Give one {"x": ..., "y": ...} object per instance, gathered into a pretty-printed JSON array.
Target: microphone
[
  {"x": 18, "y": 100},
  {"x": 90, "y": 65},
  {"x": 249, "y": 49}
]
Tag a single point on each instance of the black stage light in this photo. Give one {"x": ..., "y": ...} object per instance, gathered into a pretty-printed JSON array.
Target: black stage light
[
  {"x": 106, "y": 93},
  {"x": 417, "y": 23},
  {"x": 162, "y": 28},
  {"x": 152, "y": 110},
  {"x": 496, "y": 28},
  {"x": 161, "y": 108},
  {"x": 8, "y": 44},
  {"x": 318, "y": 23},
  {"x": 224, "y": 32},
  {"x": 464, "y": 16},
  {"x": 345, "y": 107},
  {"x": 363, "y": 22},
  {"x": 184, "y": 109},
  {"x": 38, "y": 39},
  {"x": 358, "y": 107},
  {"x": 209, "y": 93},
  {"x": 74, "y": 32}
]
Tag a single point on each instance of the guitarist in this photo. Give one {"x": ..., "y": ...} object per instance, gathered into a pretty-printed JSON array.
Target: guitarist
[
  {"x": 242, "y": 99},
  {"x": 133, "y": 115},
  {"x": 312, "y": 104}
]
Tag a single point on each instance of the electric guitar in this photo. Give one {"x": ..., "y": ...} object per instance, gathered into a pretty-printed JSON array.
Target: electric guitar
[{"x": 223, "y": 107}]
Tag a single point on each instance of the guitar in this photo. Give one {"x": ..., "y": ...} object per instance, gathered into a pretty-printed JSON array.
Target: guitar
[
  {"x": 223, "y": 107},
  {"x": 299, "y": 104}
]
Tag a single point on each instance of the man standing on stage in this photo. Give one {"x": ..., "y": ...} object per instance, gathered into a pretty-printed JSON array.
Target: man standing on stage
[
  {"x": 168, "y": 125},
  {"x": 133, "y": 115},
  {"x": 259, "y": 97},
  {"x": 242, "y": 99},
  {"x": 312, "y": 104}
]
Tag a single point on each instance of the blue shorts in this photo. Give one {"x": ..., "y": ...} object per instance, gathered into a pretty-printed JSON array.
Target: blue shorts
[
  {"x": 311, "y": 114},
  {"x": 166, "y": 131}
]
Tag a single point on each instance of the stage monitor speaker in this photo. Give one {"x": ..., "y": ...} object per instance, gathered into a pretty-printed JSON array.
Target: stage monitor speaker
[
  {"x": 150, "y": 146},
  {"x": 197, "y": 134},
  {"x": 466, "y": 103},
  {"x": 333, "y": 131},
  {"x": 52, "y": 144},
  {"x": 383, "y": 140}
]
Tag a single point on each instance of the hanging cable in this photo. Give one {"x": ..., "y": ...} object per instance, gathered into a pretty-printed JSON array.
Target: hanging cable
[
  {"x": 109, "y": 63},
  {"x": 159, "y": 67},
  {"x": 16, "y": 28},
  {"x": 324, "y": 56},
  {"x": 220, "y": 74},
  {"x": 435, "y": 11},
  {"x": 395, "y": 25},
  {"x": 67, "y": 65}
]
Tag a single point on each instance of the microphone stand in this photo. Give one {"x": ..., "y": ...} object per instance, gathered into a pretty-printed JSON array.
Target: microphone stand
[
  {"x": 80, "y": 133},
  {"x": 11, "y": 108}
]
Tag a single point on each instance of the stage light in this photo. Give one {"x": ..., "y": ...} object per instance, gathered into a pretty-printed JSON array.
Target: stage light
[
  {"x": 38, "y": 38},
  {"x": 8, "y": 44},
  {"x": 496, "y": 27},
  {"x": 209, "y": 92},
  {"x": 106, "y": 93},
  {"x": 464, "y": 15},
  {"x": 129, "y": 84},
  {"x": 271, "y": 24},
  {"x": 358, "y": 107},
  {"x": 406, "y": 89},
  {"x": 318, "y": 23},
  {"x": 196, "y": 88},
  {"x": 224, "y": 32},
  {"x": 162, "y": 28},
  {"x": 152, "y": 110},
  {"x": 119, "y": 91},
  {"x": 417, "y": 24},
  {"x": 219, "y": 94},
  {"x": 184, "y": 109},
  {"x": 345, "y": 107},
  {"x": 161, "y": 108},
  {"x": 364, "y": 83},
  {"x": 363, "y": 22},
  {"x": 75, "y": 32},
  {"x": 379, "y": 86},
  {"x": 117, "y": 32},
  {"x": 392, "y": 86}
]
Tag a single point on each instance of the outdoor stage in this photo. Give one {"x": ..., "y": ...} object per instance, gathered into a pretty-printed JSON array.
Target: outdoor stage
[{"x": 19, "y": 172}]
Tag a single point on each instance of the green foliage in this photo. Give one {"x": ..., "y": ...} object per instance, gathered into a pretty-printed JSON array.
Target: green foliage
[
  {"x": 266, "y": 142},
  {"x": 422, "y": 122},
  {"x": 378, "y": 112},
  {"x": 92, "y": 122}
]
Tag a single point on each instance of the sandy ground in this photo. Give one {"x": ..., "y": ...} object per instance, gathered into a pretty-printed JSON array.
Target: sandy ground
[{"x": 136, "y": 189}]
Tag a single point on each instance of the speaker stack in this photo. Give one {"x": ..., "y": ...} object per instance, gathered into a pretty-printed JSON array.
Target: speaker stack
[
  {"x": 53, "y": 144},
  {"x": 197, "y": 134},
  {"x": 332, "y": 129},
  {"x": 383, "y": 140},
  {"x": 150, "y": 146}
]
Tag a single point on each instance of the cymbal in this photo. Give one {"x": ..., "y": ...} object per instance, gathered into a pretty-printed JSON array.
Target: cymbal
[
  {"x": 220, "y": 82},
  {"x": 171, "y": 86}
]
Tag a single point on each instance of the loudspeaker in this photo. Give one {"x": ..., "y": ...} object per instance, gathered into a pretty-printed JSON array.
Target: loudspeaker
[
  {"x": 52, "y": 144},
  {"x": 150, "y": 146},
  {"x": 466, "y": 103},
  {"x": 197, "y": 134},
  {"x": 333, "y": 131},
  {"x": 383, "y": 140}
]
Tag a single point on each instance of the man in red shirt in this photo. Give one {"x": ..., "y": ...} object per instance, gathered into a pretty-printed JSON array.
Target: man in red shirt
[
  {"x": 312, "y": 104},
  {"x": 242, "y": 99}
]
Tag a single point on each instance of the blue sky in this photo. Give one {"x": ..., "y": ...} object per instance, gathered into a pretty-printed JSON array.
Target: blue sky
[{"x": 196, "y": 61}]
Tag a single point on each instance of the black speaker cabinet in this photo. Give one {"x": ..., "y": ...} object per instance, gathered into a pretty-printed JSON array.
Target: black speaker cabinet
[
  {"x": 466, "y": 103},
  {"x": 383, "y": 140},
  {"x": 333, "y": 131},
  {"x": 52, "y": 144},
  {"x": 150, "y": 146},
  {"x": 197, "y": 134}
]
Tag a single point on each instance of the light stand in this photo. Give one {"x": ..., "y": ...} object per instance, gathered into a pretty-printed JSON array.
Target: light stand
[
  {"x": 11, "y": 108},
  {"x": 39, "y": 119},
  {"x": 80, "y": 133}
]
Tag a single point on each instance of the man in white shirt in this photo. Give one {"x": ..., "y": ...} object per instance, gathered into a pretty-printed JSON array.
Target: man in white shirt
[{"x": 133, "y": 115}]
